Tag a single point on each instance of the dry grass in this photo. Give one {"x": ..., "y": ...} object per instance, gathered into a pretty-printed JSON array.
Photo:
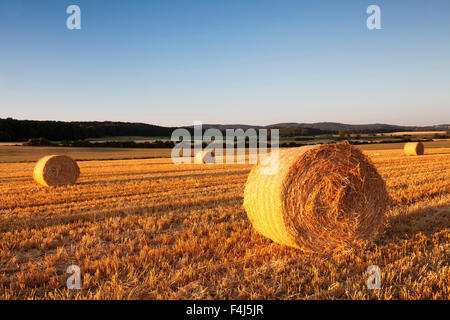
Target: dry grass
[{"x": 147, "y": 229}]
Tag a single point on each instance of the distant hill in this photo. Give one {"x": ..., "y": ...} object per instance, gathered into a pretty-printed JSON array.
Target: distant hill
[
  {"x": 22, "y": 130},
  {"x": 334, "y": 127},
  {"x": 230, "y": 126}
]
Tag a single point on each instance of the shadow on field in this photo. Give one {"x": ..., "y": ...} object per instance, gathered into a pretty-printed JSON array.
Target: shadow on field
[
  {"x": 140, "y": 173},
  {"x": 435, "y": 154},
  {"x": 427, "y": 221},
  {"x": 166, "y": 177}
]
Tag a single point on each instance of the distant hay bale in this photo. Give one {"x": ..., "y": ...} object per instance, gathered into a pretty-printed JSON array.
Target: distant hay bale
[
  {"x": 205, "y": 157},
  {"x": 56, "y": 170},
  {"x": 414, "y": 148},
  {"x": 320, "y": 198}
]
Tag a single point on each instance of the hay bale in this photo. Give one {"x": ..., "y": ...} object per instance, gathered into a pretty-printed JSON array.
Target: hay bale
[
  {"x": 56, "y": 170},
  {"x": 205, "y": 157},
  {"x": 414, "y": 148},
  {"x": 321, "y": 198}
]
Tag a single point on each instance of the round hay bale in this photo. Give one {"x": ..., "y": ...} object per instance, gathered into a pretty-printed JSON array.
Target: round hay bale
[
  {"x": 414, "y": 148},
  {"x": 56, "y": 170},
  {"x": 205, "y": 157},
  {"x": 320, "y": 198}
]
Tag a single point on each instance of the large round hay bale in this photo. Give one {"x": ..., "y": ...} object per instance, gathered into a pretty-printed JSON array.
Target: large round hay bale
[
  {"x": 56, "y": 170},
  {"x": 414, "y": 148},
  {"x": 320, "y": 198},
  {"x": 205, "y": 157}
]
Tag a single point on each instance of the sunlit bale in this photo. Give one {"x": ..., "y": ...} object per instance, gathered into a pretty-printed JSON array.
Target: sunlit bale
[
  {"x": 414, "y": 148},
  {"x": 320, "y": 198},
  {"x": 56, "y": 170},
  {"x": 205, "y": 157}
]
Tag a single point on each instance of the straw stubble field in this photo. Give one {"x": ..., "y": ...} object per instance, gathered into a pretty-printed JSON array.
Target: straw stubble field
[{"x": 148, "y": 229}]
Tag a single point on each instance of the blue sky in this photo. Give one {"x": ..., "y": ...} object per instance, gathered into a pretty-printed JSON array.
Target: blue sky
[{"x": 172, "y": 62}]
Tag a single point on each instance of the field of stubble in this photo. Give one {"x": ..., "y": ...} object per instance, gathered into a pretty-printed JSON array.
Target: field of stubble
[{"x": 148, "y": 229}]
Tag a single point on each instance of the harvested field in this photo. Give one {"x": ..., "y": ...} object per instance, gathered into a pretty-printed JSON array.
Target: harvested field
[
  {"x": 30, "y": 154},
  {"x": 149, "y": 229}
]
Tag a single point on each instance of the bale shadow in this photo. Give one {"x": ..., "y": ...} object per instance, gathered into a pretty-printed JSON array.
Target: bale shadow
[
  {"x": 129, "y": 174},
  {"x": 168, "y": 177},
  {"x": 427, "y": 221}
]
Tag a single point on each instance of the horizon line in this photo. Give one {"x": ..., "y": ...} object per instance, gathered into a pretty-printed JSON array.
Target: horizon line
[{"x": 235, "y": 124}]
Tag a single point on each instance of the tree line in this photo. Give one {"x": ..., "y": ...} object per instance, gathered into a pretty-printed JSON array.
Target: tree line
[{"x": 22, "y": 130}]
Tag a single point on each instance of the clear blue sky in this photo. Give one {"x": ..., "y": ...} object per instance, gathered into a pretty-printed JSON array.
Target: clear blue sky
[{"x": 172, "y": 62}]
